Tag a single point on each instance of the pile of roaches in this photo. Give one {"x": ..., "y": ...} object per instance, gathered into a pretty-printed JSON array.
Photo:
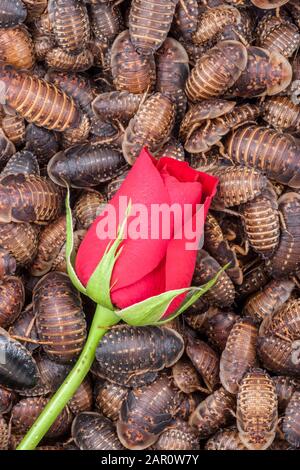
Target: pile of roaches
[{"x": 84, "y": 85}]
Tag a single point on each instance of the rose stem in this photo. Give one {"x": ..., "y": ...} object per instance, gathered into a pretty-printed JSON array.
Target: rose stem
[{"x": 102, "y": 321}]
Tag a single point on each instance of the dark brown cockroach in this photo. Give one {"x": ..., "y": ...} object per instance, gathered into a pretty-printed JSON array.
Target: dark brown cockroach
[
  {"x": 291, "y": 420},
  {"x": 19, "y": 370},
  {"x": 38, "y": 101},
  {"x": 146, "y": 413},
  {"x": 29, "y": 198},
  {"x": 285, "y": 387},
  {"x": 61, "y": 60},
  {"x": 210, "y": 133},
  {"x": 13, "y": 12},
  {"x": 256, "y": 411},
  {"x": 24, "y": 162},
  {"x": 106, "y": 21},
  {"x": 276, "y": 34},
  {"x": 286, "y": 259},
  {"x": 109, "y": 399},
  {"x": 239, "y": 354},
  {"x": 269, "y": 300},
  {"x": 60, "y": 263},
  {"x": 4, "y": 434},
  {"x": 52, "y": 374},
  {"x": 149, "y": 24},
  {"x": 254, "y": 279},
  {"x": 186, "y": 377},
  {"x": 16, "y": 47},
  {"x": 12, "y": 298},
  {"x": 59, "y": 317},
  {"x": 82, "y": 400},
  {"x": 282, "y": 113},
  {"x": 206, "y": 362},
  {"x": 172, "y": 70},
  {"x": 70, "y": 24},
  {"x": 24, "y": 327},
  {"x": 7, "y": 148},
  {"x": 213, "y": 20},
  {"x": 172, "y": 149},
  {"x": 155, "y": 349},
  {"x": 266, "y": 73},
  {"x": 88, "y": 207},
  {"x": 85, "y": 165},
  {"x": 51, "y": 240},
  {"x": 274, "y": 153},
  {"x": 213, "y": 413},
  {"x": 131, "y": 71},
  {"x": 35, "y": 8},
  {"x": 8, "y": 264},
  {"x": 218, "y": 327},
  {"x": 78, "y": 135},
  {"x": 7, "y": 398},
  {"x": 42, "y": 45},
  {"x": 278, "y": 355},
  {"x": 223, "y": 292},
  {"x": 117, "y": 105},
  {"x": 268, "y": 4},
  {"x": 25, "y": 412},
  {"x": 225, "y": 439},
  {"x": 216, "y": 71},
  {"x": 152, "y": 126},
  {"x": 186, "y": 19},
  {"x": 180, "y": 436},
  {"x": 20, "y": 240},
  {"x": 284, "y": 322},
  {"x": 92, "y": 431},
  {"x": 41, "y": 142},
  {"x": 14, "y": 128}
]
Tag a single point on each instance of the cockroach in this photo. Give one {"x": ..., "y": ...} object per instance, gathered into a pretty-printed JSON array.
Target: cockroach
[
  {"x": 82, "y": 400},
  {"x": 286, "y": 259},
  {"x": 19, "y": 370},
  {"x": 78, "y": 135},
  {"x": 206, "y": 362},
  {"x": 26, "y": 411},
  {"x": 172, "y": 149},
  {"x": 276, "y": 34},
  {"x": 88, "y": 207},
  {"x": 285, "y": 387},
  {"x": 4, "y": 434},
  {"x": 61, "y": 60},
  {"x": 7, "y": 398},
  {"x": 218, "y": 328},
  {"x": 109, "y": 399},
  {"x": 225, "y": 439},
  {"x": 131, "y": 71},
  {"x": 60, "y": 264},
  {"x": 70, "y": 24},
  {"x": 187, "y": 406},
  {"x": 291, "y": 420},
  {"x": 240, "y": 30},
  {"x": 41, "y": 142},
  {"x": 213, "y": 413},
  {"x": 7, "y": 148},
  {"x": 13, "y": 12},
  {"x": 16, "y": 47},
  {"x": 152, "y": 126},
  {"x": 216, "y": 70},
  {"x": 254, "y": 279},
  {"x": 282, "y": 113},
  {"x": 92, "y": 431},
  {"x": 85, "y": 165},
  {"x": 266, "y": 73},
  {"x": 268, "y": 4},
  {"x": 186, "y": 19},
  {"x": 284, "y": 321},
  {"x": 8, "y": 264},
  {"x": 35, "y": 8},
  {"x": 59, "y": 317},
  {"x": 115, "y": 184},
  {"x": 14, "y": 128},
  {"x": 20, "y": 240},
  {"x": 239, "y": 354},
  {"x": 194, "y": 51},
  {"x": 106, "y": 21},
  {"x": 273, "y": 153},
  {"x": 42, "y": 45},
  {"x": 146, "y": 413},
  {"x": 180, "y": 436},
  {"x": 149, "y": 24},
  {"x": 263, "y": 304},
  {"x": 186, "y": 377},
  {"x": 52, "y": 374},
  {"x": 155, "y": 349},
  {"x": 25, "y": 327},
  {"x": 213, "y": 20},
  {"x": 278, "y": 355},
  {"x": 23, "y": 162},
  {"x": 12, "y": 298},
  {"x": 223, "y": 292},
  {"x": 117, "y": 105}
]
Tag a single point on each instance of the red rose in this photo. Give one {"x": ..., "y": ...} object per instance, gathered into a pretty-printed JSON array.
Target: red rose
[{"x": 148, "y": 267}]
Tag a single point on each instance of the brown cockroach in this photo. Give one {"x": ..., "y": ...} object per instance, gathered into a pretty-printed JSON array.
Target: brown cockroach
[
  {"x": 109, "y": 399},
  {"x": 85, "y": 165},
  {"x": 146, "y": 412},
  {"x": 70, "y": 24},
  {"x": 61, "y": 60},
  {"x": 88, "y": 207},
  {"x": 286, "y": 259},
  {"x": 35, "y": 8},
  {"x": 186, "y": 377},
  {"x": 206, "y": 362},
  {"x": 7, "y": 398},
  {"x": 269, "y": 300},
  {"x": 152, "y": 126},
  {"x": 7, "y": 148},
  {"x": 273, "y": 153},
  {"x": 13, "y": 12},
  {"x": 25, "y": 327},
  {"x": 155, "y": 349},
  {"x": 282, "y": 113},
  {"x": 284, "y": 322},
  {"x": 238, "y": 31},
  {"x": 216, "y": 71},
  {"x": 186, "y": 19},
  {"x": 16, "y": 47},
  {"x": 268, "y": 4},
  {"x": 218, "y": 327},
  {"x": 131, "y": 71},
  {"x": 78, "y": 135},
  {"x": 278, "y": 355},
  {"x": 92, "y": 431},
  {"x": 225, "y": 439},
  {"x": 256, "y": 410},
  {"x": 266, "y": 73},
  {"x": 59, "y": 317},
  {"x": 106, "y": 21},
  {"x": 285, "y": 387},
  {"x": 254, "y": 279},
  {"x": 42, "y": 45},
  {"x": 213, "y": 413},
  {"x": 60, "y": 263},
  {"x": 24, "y": 162},
  {"x": 239, "y": 354},
  {"x": 82, "y": 400},
  {"x": 180, "y": 436},
  {"x": 29, "y": 198},
  {"x": 117, "y": 105},
  {"x": 12, "y": 298},
  {"x": 41, "y": 142},
  {"x": 20, "y": 240},
  {"x": 4, "y": 434},
  {"x": 276, "y": 34},
  {"x": 149, "y": 24},
  {"x": 14, "y": 128},
  {"x": 8, "y": 263},
  {"x": 172, "y": 149},
  {"x": 291, "y": 420},
  {"x": 223, "y": 292}
]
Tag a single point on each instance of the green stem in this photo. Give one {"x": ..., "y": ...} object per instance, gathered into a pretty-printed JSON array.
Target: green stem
[{"x": 102, "y": 320}]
